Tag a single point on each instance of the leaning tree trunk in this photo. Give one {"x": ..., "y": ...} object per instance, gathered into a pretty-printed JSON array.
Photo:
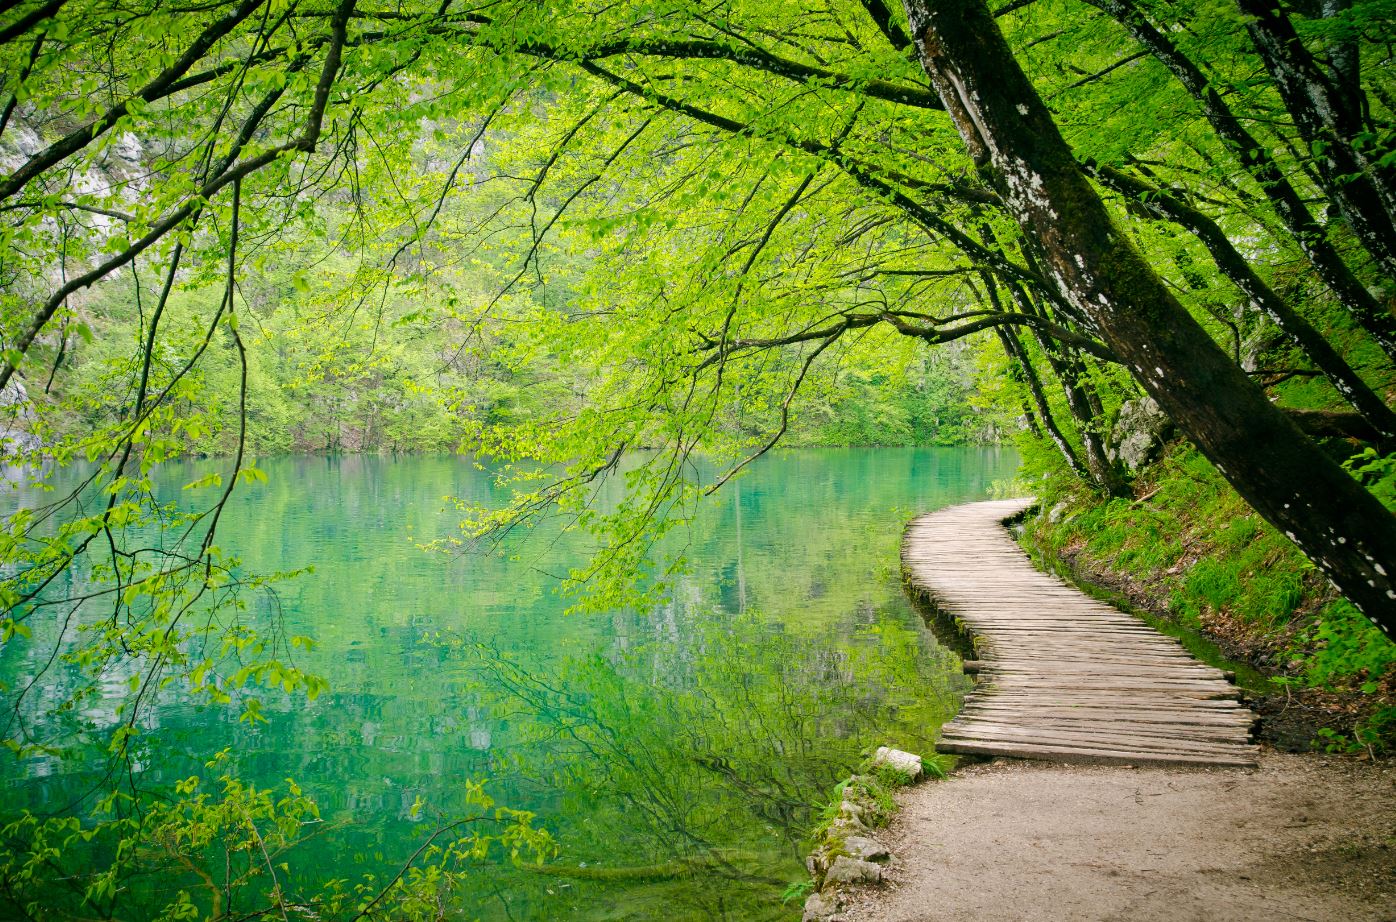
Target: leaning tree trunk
[
  {"x": 1081, "y": 400},
  {"x": 1019, "y": 379},
  {"x": 1099, "y": 471},
  {"x": 1300, "y": 332},
  {"x": 1022, "y": 370},
  {"x": 1330, "y": 122},
  {"x": 1081, "y": 396},
  {"x": 1344, "y": 59},
  {"x": 1341, "y": 527},
  {"x": 1255, "y": 159}
]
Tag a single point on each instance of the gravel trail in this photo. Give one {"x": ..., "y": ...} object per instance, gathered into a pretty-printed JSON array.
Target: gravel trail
[{"x": 1301, "y": 837}]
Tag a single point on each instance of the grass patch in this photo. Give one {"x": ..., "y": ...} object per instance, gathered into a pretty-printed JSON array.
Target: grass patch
[{"x": 1218, "y": 568}]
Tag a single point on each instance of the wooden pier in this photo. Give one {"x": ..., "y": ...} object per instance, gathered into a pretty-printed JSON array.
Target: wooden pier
[{"x": 1062, "y": 676}]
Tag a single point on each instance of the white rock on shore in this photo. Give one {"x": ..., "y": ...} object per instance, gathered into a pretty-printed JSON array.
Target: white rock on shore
[{"x": 905, "y": 762}]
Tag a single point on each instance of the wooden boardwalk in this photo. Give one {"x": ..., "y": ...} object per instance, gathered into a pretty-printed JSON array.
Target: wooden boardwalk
[{"x": 1062, "y": 676}]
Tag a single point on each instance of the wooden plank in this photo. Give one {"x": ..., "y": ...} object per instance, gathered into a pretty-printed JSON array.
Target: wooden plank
[
  {"x": 1105, "y": 735},
  {"x": 1061, "y": 675},
  {"x": 1047, "y": 687},
  {"x": 1169, "y": 732},
  {"x": 1103, "y": 719},
  {"x": 1011, "y": 670},
  {"x": 1141, "y": 715},
  {"x": 1066, "y": 716},
  {"x": 1090, "y": 754},
  {"x": 1092, "y": 661},
  {"x": 1088, "y": 670},
  {"x": 1108, "y": 741}
]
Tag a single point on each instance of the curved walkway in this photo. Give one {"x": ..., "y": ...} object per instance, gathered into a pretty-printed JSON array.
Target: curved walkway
[{"x": 1062, "y": 676}]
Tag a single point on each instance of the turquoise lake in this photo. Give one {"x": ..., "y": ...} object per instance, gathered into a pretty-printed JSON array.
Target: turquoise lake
[{"x": 679, "y": 756}]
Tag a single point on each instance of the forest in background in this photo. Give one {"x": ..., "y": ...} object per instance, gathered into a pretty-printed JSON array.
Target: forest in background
[{"x": 404, "y": 369}]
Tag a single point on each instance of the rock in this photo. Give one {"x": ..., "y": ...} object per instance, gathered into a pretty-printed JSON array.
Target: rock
[
  {"x": 1140, "y": 431},
  {"x": 20, "y": 142},
  {"x": 1057, "y": 512},
  {"x": 16, "y": 418},
  {"x": 845, "y": 826},
  {"x": 865, "y": 849},
  {"x": 846, "y": 870},
  {"x": 905, "y": 762},
  {"x": 853, "y": 814},
  {"x": 820, "y": 907},
  {"x": 1256, "y": 347}
]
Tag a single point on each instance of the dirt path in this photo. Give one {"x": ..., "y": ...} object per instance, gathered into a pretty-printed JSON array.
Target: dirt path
[{"x": 1301, "y": 837}]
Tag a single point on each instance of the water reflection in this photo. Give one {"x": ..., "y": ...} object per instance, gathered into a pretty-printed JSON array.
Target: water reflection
[{"x": 677, "y": 755}]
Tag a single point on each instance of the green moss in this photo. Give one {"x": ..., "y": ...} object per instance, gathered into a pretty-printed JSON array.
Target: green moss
[{"x": 1220, "y": 566}]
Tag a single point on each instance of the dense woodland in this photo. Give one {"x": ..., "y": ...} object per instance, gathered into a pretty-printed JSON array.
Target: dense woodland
[
  {"x": 405, "y": 369},
  {"x": 560, "y": 237}
]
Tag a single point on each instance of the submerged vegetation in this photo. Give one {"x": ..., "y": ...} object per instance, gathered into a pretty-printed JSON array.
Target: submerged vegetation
[
  {"x": 614, "y": 255},
  {"x": 160, "y": 861}
]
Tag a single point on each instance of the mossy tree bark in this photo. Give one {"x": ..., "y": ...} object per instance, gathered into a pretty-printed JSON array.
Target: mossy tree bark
[
  {"x": 1301, "y": 333},
  {"x": 1255, "y": 159},
  {"x": 1328, "y": 114},
  {"x": 1005, "y": 125}
]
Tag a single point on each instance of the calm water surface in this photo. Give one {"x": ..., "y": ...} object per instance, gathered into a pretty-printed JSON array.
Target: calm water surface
[{"x": 679, "y": 756}]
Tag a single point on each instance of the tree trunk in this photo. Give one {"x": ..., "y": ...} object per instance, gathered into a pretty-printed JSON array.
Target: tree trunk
[
  {"x": 1235, "y": 267},
  {"x": 1081, "y": 399},
  {"x": 1369, "y": 313},
  {"x": 1342, "y": 528},
  {"x": 1329, "y": 120},
  {"x": 1081, "y": 395},
  {"x": 1017, "y": 355},
  {"x": 1019, "y": 378},
  {"x": 1344, "y": 60}
]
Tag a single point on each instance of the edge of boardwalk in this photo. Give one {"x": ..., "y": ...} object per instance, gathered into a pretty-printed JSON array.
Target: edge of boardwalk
[{"x": 1062, "y": 676}]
